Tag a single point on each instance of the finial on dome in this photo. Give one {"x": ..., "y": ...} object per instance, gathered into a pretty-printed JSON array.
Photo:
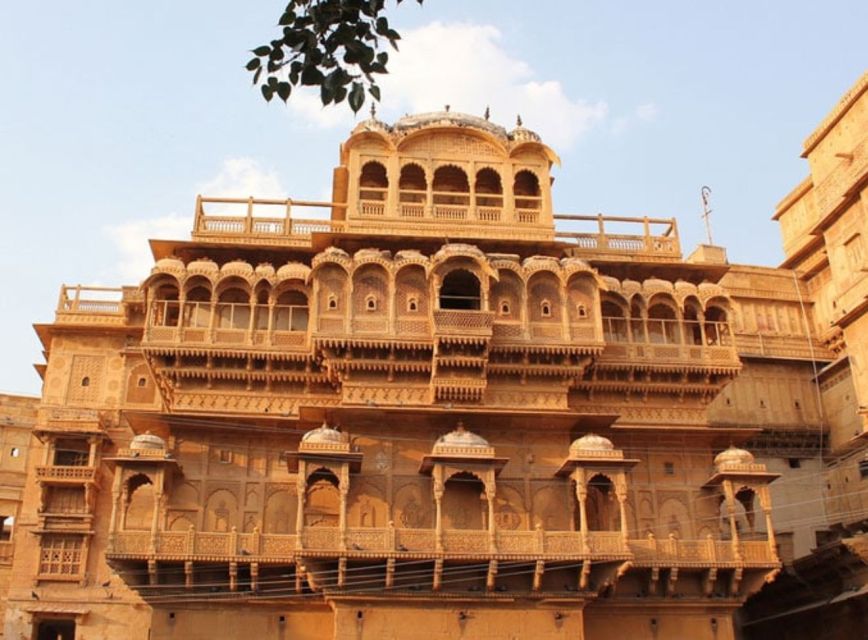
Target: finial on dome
[
  {"x": 373, "y": 110},
  {"x": 460, "y": 427},
  {"x": 487, "y": 112},
  {"x": 447, "y": 108},
  {"x": 518, "y": 121}
]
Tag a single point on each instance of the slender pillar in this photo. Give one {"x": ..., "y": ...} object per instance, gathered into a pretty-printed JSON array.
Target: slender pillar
[
  {"x": 582, "y": 496},
  {"x": 492, "y": 525},
  {"x": 438, "y": 522},
  {"x": 301, "y": 489}
]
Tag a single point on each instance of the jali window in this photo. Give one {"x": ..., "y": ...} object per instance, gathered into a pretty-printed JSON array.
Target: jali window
[{"x": 60, "y": 555}]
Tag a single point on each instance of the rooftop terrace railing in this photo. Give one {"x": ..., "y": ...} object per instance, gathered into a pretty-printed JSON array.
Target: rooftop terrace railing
[{"x": 624, "y": 236}]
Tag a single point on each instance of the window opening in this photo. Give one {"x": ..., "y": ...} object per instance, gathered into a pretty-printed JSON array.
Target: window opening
[{"x": 460, "y": 290}]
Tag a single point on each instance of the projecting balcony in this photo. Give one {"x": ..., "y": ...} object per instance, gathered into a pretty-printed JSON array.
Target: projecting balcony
[
  {"x": 654, "y": 239},
  {"x": 460, "y": 323},
  {"x": 668, "y": 343},
  {"x": 171, "y": 323},
  {"x": 463, "y": 543},
  {"x": 66, "y": 474}
]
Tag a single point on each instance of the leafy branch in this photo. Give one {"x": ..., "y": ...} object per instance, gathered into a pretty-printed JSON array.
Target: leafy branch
[{"x": 336, "y": 45}]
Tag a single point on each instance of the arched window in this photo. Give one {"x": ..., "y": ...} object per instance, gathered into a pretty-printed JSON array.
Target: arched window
[
  {"x": 488, "y": 188},
  {"x": 603, "y": 512},
  {"x": 460, "y": 290},
  {"x": 373, "y": 182},
  {"x": 692, "y": 328},
  {"x": 545, "y": 309},
  {"x": 233, "y": 309},
  {"x": 165, "y": 309},
  {"x": 412, "y": 184},
  {"x": 662, "y": 325},
  {"x": 370, "y": 302},
  {"x": 526, "y": 190},
  {"x": 291, "y": 312},
  {"x": 716, "y": 326},
  {"x": 322, "y": 500},
  {"x": 412, "y": 305},
  {"x": 332, "y": 304},
  {"x": 504, "y": 307},
  {"x": 451, "y": 188},
  {"x": 614, "y": 322}
]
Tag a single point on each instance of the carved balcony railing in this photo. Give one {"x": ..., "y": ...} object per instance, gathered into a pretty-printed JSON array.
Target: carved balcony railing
[
  {"x": 171, "y": 323},
  {"x": 774, "y": 346},
  {"x": 457, "y": 322},
  {"x": 217, "y": 220},
  {"x": 668, "y": 342},
  {"x": 393, "y": 542},
  {"x": 63, "y": 474},
  {"x": 95, "y": 305},
  {"x": 657, "y": 239}
]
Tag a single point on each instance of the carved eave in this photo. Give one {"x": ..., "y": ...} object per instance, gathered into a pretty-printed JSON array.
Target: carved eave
[
  {"x": 339, "y": 453},
  {"x": 145, "y": 457},
  {"x": 481, "y": 459},
  {"x": 609, "y": 460},
  {"x": 753, "y": 473}
]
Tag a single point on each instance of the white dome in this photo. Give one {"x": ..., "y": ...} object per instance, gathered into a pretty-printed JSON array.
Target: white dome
[
  {"x": 324, "y": 434},
  {"x": 147, "y": 440},
  {"x": 461, "y": 437},
  {"x": 733, "y": 455},
  {"x": 592, "y": 442}
]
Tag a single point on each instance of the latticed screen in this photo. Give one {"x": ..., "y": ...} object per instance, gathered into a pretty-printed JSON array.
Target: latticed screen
[{"x": 61, "y": 555}]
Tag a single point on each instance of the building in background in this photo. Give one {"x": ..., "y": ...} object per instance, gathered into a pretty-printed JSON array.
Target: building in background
[
  {"x": 824, "y": 222},
  {"x": 433, "y": 408},
  {"x": 17, "y": 419}
]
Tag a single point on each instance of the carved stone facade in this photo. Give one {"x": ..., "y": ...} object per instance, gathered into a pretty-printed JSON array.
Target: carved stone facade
[{"x": 434, "y": 407}]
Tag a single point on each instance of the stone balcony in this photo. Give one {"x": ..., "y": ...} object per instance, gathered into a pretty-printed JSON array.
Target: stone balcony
[
  {"x": 104, "y": 306},
  {"x": 62, "y": 474},
  {"x": 655, "y": 238},
  {"x": 456, "y": 324},
  {"x": 603, "y": 546}
]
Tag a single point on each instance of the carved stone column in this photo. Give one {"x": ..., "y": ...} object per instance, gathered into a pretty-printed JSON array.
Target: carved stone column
[
  {"x": 301, "y": 489},
  {"x": 621, "y": 494},
  {"x": 582, "y": 496},
  {"x": 492, "y": 525},
  {"x": 438, "y": 517}
]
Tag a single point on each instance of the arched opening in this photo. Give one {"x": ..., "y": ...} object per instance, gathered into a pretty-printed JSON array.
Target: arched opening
[
  {"x": 451, "y": 191},
  {"x": 526, "y": 190},
  {"x": 412, "y": 185},
  {"x": 716, "y": 326},
  {"x": 291, "y": 312},
  {"x": 140, "y": 503},
  {"x": 637, "y": 323},
  {"x": 746, "y": 497},
  {"x": 544, "y": 302},
  {"x": 601, "y": 506},
  {"x": 411, "y": 288},
  {"x": 489, "y": 190},
  {"x": 460, "y": 290},
  {"x": 614, "y": 322},
  {"x": 165, "y": 309},
  {"x": 662, "y": 324},
  {"x": 260, "y": 311},
  {"x": 233, "y": 309},
  {"x": 692, "y": 324},
  {"x": 464, "y": 502},
  {"x": 197, "y": 306},
  {"x": 322, "y": 503},
  {"x": 373, "y": 182}
]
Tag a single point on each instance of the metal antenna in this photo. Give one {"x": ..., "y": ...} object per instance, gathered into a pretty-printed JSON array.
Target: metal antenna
[{"x": 705, "y": 192}]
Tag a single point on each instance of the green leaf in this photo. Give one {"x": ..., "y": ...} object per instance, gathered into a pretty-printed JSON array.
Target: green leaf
[
  {"x": 311, "y": 76},
  {"x": 357, "y": 97},
  {"x": 264, "y": 50},
  {"x": 267, "y": 92},
  {"x": 283, "y": 91},
  {"x": 253, "y": 64}
]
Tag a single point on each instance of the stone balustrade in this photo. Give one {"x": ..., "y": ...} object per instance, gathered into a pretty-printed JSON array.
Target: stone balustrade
[
  {"x": 392, "y": 542},
  {"x": 64, "y": 474}
]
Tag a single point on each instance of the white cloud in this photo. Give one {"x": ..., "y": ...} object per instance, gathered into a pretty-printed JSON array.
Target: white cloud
[
  {"x": 238, "y": 177},
  {"x": 467, "y": 66},
  {"x": 644, "y": 113}
]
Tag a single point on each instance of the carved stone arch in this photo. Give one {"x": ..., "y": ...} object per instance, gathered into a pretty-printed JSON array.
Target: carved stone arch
[
  {"x": 323, "y": 469},
  {"x": 332, "y": 291},
  {"x": 141, "y": 388},
  {"x": 180, "y": 522},
  {"x": 411, "y": 284},
  {"x": 367, "y": 506},
  {"x": 663, "y": 298},
  {"x": 510, "y": 510},
  {"x": 464, "y": 499},
  {"x": 446, "y": 140},
  {"x": 232, "y": 282},
  {"x": 693, "y": 318},
  {"x": 140, "y": 489},
  {"x": 367, "y": 138},
  {"x": 673, "y": 516},
  {"x": 280, "y": 513},
  {"x": 196, "y": 283},
  {"x": 332, "y": 255},
  {"x": 412, "y": 506},
  {"x": 184, "y": 495},
  {"x": 545, "y": 287},
  {"x": 508, "y": 295},
  {"x": 550, "y": 508},
  {"x": 537, "y": 148},
  {"x": 581, "y": 290},
  {"x": 159, "y": 283},
  {"x": 322, "y": 497},
  {"x": 221, "y": 511},
  {"x": 528, "y": 182},
  {"x": 371, "y": 282}
]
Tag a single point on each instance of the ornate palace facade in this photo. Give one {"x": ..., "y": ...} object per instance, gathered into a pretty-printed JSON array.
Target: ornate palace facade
[{"x": 438, "y": 410}]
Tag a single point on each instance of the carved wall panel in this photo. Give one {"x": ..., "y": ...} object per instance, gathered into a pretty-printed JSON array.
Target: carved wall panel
[
  {"x": 551, "y": 507},
  {"x": 140, "y": 509},
  {"x": 221, "y": 511},
  {"x": 322, "y": 504},
  {"x": 281, "y": 507},
  {"x": 367, "y": 506},
  {"x": 413, "y": 504},
  {"x": 464, "y": 503}
]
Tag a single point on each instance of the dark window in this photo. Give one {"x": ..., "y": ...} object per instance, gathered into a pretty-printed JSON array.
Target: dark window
[
  {"x": 795, "y": 463},
  {"x": 460, "y": 290},
  {"x": 669, "y": 468}
]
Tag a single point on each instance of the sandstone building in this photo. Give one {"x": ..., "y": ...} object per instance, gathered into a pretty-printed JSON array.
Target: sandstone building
[{"x": 442, "y": 410}]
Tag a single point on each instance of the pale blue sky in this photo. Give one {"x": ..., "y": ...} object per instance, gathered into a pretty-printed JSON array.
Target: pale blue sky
[{"x": 114, "y": 115}]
